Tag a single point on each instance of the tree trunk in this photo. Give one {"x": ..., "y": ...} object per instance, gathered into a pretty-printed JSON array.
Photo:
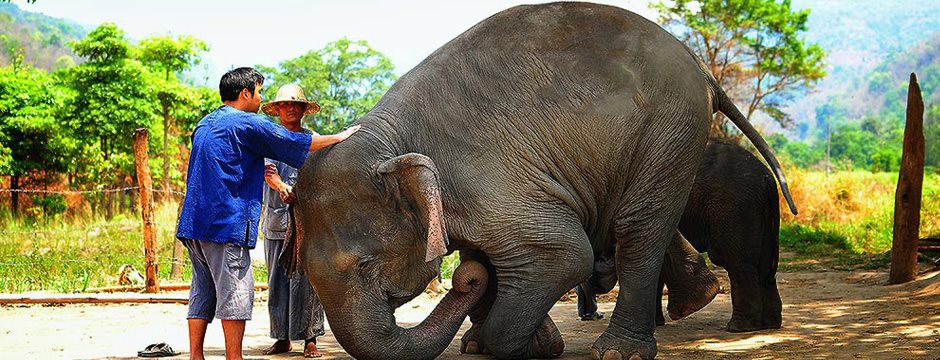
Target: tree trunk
[
  {"x": 166, "y": 153},
  {"x": 14, "y": 195},
  {"x": 108, "y": 213},
  {"x": 908, "y": 194}
]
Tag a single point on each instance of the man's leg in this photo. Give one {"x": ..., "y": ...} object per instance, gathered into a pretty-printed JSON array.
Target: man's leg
[
  {"x": 310, "y": 348},
  {"x": 306, "y": 314},
  {"x": 234, "y": 331},
  {"x": 197, "y": 336},
  {"x": 278, "y": 298},
  {"x": 202, "y": 299},
  {"x": 235, "y": 291}
]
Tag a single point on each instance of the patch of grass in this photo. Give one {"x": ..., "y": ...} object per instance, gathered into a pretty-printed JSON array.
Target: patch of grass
[
  {"x": 449, "y": 264},
  {"x": 73, "y": 256},
  {"x": 846, "y": 219}
]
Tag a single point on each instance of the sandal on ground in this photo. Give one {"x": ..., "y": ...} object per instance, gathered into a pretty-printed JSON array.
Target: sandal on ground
[{"x": 157, "y": 350}]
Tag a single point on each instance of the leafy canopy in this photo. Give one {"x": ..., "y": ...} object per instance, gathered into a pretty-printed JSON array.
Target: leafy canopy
[
  {"x": 345, "y": 77},
  {"x": 752, "y": 47}
]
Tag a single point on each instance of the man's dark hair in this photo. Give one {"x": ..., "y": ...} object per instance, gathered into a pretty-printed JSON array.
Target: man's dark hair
[{"x": 235, "y": 80}]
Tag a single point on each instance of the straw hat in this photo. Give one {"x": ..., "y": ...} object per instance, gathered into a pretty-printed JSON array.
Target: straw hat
[{"x": 292, "y": 93}]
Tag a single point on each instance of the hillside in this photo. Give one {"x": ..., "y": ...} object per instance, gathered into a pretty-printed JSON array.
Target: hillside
[
  {"x": 43, "y": 39},
  {"x": 859, "y": 36}
]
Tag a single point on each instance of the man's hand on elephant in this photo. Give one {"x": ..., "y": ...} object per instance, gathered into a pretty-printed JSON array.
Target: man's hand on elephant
[
  {"x": 346, "y": 133},
  {"x": 322, "y": 141},
  {"x": 286, "y": 193}
]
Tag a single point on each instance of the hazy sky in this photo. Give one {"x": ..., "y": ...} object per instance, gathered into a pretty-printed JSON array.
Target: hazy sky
[{"x": 242, "y": 33}]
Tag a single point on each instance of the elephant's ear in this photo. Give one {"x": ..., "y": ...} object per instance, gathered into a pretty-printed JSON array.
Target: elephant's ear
[{"x": 417, "y": 178}]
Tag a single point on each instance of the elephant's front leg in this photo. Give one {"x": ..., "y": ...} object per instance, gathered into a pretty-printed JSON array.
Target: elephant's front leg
[{"x": 541, "y": 264}]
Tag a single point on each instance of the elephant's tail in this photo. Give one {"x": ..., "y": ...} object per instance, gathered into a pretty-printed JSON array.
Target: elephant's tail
[{"x": 721, "y": 102}]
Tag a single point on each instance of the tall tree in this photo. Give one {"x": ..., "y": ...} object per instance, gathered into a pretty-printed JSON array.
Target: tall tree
[
  {"x": 345, "y": 77},
  {"x": 30, "y": 137},
  {"x": 110, "y": 97},
  {"x": 170, "y": 57},
  {"x": 752, "y": 47}
]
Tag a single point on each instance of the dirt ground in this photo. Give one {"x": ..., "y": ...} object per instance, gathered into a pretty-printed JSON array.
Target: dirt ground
[{"x": 837, "y": 315}]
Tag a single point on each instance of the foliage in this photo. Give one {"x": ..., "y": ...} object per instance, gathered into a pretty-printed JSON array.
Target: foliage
[
  {"x": 110, "y": 97},
  {"x": 31, "y": 138},
  {"x": 754, "y": 48},
  {"x": 345, "y": 77},
  {"x": 170, "y": 56}
]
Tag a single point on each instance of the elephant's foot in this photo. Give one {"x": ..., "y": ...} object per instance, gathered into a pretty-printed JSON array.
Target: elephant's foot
[
  {"x": 547, "y": 342},
  {"x": 736, "y": 325},
  {"x": 610, "y": 347},
  {"x": 739, "y": 324},
  {"x": 470, "y": 342},
  {"x": 687, "y": 300}
]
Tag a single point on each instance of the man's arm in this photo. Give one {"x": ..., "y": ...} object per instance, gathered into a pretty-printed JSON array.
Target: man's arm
[
  {"x": 271, "y": 177},
  {"x": 322, "y": 141}
]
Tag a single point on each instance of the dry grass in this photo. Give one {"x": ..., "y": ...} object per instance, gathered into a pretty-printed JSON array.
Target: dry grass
[{"x": 851, "y": 211}]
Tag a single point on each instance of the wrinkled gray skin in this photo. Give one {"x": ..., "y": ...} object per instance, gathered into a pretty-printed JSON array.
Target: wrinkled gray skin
[
  {"x": 545, "y": 133},
  {"x": 733, "y": 214}
]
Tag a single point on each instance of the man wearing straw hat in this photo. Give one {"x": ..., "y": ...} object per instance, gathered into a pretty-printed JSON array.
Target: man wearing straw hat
[
  {"x": 219, "y": 220},
  {"x": 293, "y": 305}
]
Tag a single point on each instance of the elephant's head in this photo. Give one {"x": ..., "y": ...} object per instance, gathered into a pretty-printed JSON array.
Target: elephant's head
[{"x": 373, "y": 234}]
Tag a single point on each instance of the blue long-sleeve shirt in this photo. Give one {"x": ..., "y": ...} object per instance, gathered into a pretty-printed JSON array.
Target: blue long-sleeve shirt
[{"x": 226, "y": 174}]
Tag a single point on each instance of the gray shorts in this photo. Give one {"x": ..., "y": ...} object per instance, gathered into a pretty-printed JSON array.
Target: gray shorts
[{"x": 222, "y": 286}]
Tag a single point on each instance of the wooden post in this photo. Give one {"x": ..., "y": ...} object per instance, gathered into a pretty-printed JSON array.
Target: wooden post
[
  {"x": 146, "y": 209},
  {"x": 907, "y": 196},
  {"x": 176, "y": 270}
]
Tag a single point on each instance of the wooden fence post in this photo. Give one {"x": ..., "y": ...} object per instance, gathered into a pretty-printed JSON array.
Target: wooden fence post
[
  {"x": 908, "y": 194},
  {"x": 145, "y": 184}
]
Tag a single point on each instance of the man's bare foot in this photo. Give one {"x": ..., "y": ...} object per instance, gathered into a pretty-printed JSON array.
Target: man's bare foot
[
  {"x": 310, "y": 349},
  {"x": 280, "y": 346}
]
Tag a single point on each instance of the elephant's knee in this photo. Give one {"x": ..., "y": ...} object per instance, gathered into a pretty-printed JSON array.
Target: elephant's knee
[{"x": 501, "y": 346}]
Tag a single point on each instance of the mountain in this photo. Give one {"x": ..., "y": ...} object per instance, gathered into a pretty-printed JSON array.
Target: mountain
[
  {"x": 862, "y": 39},
  {"x": 42, "y": 39}
]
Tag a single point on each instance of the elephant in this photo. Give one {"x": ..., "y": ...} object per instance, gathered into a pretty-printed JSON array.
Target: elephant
[
  {"x": 536, "y": 138},
  {"x": 733, "y": 214}
]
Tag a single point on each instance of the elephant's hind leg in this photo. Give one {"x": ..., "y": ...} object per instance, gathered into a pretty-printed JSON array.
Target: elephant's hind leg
[
  {"x": 546, "y": 259},
  {"x": 655, "y": 196},
  {"x": 691, "y": 284}
]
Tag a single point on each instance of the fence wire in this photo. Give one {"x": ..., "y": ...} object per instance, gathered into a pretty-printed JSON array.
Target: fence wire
[{"x": 70, "y": 192}]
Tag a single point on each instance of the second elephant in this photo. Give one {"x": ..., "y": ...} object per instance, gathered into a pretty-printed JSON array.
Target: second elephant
[{"x": 732, "y": 214}]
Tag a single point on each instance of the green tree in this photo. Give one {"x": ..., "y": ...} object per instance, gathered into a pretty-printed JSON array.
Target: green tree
[
  {"x": 932, "y": 136},
  {"x": 345, "y": 77},
  {"x": 30, "y": 136},
  {"x": 111, "y": 95},
  {"x": 170, "y": 57},
  {"x": 752, "y": 47}
]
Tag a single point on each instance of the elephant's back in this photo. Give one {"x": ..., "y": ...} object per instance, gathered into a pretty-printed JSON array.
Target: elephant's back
[{"x": 546, "y": 64}]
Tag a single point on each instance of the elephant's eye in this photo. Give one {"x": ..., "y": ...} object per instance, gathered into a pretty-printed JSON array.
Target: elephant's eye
[{"x": 366, "y": 267}]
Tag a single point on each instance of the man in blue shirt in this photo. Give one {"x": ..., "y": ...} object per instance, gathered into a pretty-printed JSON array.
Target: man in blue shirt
[{"x": 219, "y": 220}]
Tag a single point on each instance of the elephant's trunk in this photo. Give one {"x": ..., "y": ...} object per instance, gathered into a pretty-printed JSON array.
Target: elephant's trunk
[{"x": 366, "y": 327}]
